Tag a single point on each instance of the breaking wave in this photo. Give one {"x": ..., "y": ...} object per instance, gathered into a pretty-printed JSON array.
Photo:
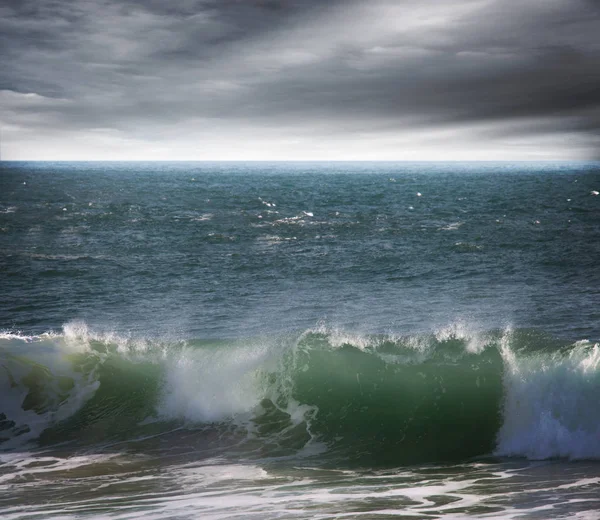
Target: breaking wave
[{"x": 450, "y": 395}]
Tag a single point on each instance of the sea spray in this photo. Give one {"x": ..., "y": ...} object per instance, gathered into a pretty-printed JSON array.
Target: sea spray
[
  {"x": 550, "y": 403},
  {"x": 212, "y": 382}
]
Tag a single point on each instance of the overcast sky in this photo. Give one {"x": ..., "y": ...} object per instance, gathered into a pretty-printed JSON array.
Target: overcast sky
[{"x": 300, "y": 79}]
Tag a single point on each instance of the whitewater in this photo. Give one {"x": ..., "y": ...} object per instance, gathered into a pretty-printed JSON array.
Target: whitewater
[{"x": 299, "y": 340}]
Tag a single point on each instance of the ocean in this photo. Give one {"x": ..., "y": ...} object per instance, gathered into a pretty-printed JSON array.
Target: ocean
[{"x": 299, "y": 340}]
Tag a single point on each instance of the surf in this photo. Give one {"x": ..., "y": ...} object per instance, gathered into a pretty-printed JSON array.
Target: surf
[{"x": 368, "y": 399}]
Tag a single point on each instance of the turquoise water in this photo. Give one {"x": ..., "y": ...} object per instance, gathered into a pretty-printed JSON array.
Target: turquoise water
[{"x": 299, "y": 340}]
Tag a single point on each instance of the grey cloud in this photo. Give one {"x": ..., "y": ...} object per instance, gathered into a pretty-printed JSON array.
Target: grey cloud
[{"x": 343, "y": 66}]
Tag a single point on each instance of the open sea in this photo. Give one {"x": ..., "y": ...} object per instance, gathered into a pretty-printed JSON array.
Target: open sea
[{"x": 299, "y": 340}]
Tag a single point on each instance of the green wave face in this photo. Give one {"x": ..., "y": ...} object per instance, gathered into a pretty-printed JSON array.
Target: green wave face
[
  {"x": 381, "y": 406},
  {"x": 367, "y": 400}
]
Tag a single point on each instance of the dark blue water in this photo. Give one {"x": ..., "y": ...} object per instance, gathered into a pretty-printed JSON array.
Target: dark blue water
[{"x": 230, "y": 249}]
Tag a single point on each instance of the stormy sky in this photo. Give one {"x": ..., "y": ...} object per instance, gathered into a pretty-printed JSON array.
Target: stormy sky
[{"x": 300, "y": 79}]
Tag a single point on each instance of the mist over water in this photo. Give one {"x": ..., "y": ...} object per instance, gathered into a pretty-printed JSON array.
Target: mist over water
[{"x": 414, "y": 336}]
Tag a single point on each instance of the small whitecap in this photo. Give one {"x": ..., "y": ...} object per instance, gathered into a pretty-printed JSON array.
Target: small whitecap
[
  {"x": 271, "y": 239},
  {"x": 451, "y": 227},
  {"x": 203, "y": 217},
  {"x": 467, "y": 247},
  {"x": 268, "y": 204},
  {"x": 419, "y": 194}
]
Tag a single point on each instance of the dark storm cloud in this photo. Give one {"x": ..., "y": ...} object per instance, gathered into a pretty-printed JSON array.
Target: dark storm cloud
[{"x": 344, "y": 67}]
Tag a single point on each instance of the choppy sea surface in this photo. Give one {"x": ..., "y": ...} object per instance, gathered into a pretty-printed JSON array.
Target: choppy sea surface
[{"x": 299, "y": 340}]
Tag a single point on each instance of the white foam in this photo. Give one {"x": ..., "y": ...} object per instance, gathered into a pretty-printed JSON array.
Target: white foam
[
  {"x": 210, "y": 474},
  {"x": 452, "y": 226},
  {"x": 78, "y": 336},
  {"x": 203, "y": 218},
  {"x": 337, "y": 337},
  {"x": 210, "y": 385},
  {"x": 461, "y": 330},
  {"x": 48, "y": 353},
  {"x": 268, "y": 204},
  {"x": 551, "y": 404},
  {"x": 27, "y": 464},
  {"x": 274, "y": 239}
]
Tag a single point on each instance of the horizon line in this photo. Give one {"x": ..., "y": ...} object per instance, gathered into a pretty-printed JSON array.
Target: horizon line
[{"x": 283, "y": 161}]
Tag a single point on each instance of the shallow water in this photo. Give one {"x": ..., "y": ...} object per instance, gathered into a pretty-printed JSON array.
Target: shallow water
[{"x": 123, "y": 486}]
